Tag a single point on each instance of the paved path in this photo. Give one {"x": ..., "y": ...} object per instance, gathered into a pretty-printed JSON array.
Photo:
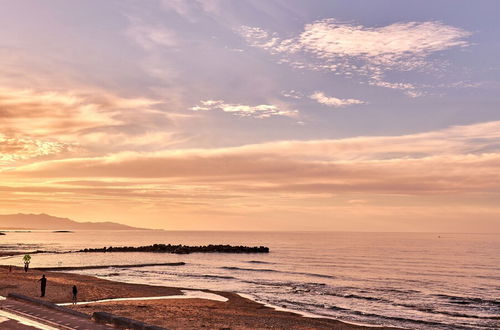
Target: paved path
[
  {"x": 15, "y": 322},
  {"x": 50, "y": 317}
]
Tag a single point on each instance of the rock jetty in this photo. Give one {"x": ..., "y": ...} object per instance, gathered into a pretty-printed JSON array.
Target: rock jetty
[{"x": 182, "y": 249}]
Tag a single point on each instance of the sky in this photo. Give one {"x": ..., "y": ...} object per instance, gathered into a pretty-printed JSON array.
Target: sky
[{"x": 349, "y": 115}]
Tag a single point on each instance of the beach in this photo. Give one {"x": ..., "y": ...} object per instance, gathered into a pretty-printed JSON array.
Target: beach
[
  {"x": 286, "y": 164},
  {"x": 370, "y": 279},
  {"x": 235, "y": 313}
]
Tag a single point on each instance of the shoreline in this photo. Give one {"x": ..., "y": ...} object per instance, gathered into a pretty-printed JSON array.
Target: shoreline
[
  {"x": 312, "y": 315},
  {"x": 238, "y": 311}
]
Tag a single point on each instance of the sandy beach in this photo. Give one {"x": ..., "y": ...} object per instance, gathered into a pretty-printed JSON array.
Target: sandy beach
[{"x": 235, "y": 313}]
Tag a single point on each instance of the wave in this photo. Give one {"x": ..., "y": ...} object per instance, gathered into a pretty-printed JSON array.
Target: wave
[
  {"x": 260, "y": 262},
  {"x": 403, "y": 291},
  {"x": 270, "y": 283},
  {"x": 414, "y": 307},
  {"x": 157, "y": 272},
  {"x": 355, "y": 296},
  {"x": 110, "y": 275},
  {"x": 250, "y": 269},
  {"x": 210, "y": 276},
  {"x": 394, "y": 318},
  {"x": 276, "y": 271},
  {"x": 367, "y": 314},
  {"x": 110, "y": 266},
  {"x": 468, "y": 300},
  {"x": 441, "y": 312}
]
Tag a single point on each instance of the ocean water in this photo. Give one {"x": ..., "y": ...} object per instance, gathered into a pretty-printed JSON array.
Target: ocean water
[{"x": 412, "y": 280}]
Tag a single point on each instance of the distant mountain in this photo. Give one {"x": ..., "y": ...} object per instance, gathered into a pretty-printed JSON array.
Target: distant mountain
[{"x": 48, "y": 222}]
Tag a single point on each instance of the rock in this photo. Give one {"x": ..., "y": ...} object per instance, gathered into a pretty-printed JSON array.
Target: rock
[{"x": 183, "y": 249}]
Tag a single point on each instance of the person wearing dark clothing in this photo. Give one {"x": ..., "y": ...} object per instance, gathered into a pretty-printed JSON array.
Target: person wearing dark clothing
[
  {"x": 43, "y": 284},
  {"x": 75, "y": 292},
  {"x": 26, "y": 260}
]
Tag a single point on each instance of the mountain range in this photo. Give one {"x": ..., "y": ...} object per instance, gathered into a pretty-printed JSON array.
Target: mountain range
[{"x": 43, "y": 221}]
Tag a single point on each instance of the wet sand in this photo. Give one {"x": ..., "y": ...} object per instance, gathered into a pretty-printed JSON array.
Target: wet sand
[{"x": 236, "y": 313}]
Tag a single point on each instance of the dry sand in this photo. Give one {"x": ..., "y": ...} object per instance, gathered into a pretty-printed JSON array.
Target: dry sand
[{"x": 236, "y": 313}]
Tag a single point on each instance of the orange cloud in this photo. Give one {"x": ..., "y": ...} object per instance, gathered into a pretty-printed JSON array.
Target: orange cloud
[
  {"x": 15, "y": 149},
  {"x": 288, "y": 178},
  {"x": 93, "y": 120},
  {"x": 414, "y": 164}
]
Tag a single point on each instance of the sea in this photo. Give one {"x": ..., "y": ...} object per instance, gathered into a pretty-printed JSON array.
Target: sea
[{"x": 408, "y": 280}]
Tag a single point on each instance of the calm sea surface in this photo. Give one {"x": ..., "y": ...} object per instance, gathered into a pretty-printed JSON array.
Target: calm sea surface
[{"x": 423, "y": 281}]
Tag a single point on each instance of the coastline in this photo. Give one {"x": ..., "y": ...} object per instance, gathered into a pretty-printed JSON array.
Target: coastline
[{"x": 238, "y": 312}]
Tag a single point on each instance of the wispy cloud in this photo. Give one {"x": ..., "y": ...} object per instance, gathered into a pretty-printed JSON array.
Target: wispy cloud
[
  {"x": 350, "y": 49},
  {"x": 409, "y": 89},
  {"x": 257, "y": 111},
  {"x": 93, "y": 119},
  {"x": 191, "y": 10},
  {"x": 320, "y": 97},
  {"x": 399, "y": 45},
  {"x": 150, "y": 36},
  {"x": 389, "y": 45},
  {"x": 293, "y": 94},
  {"x": 14, "y": 149}
]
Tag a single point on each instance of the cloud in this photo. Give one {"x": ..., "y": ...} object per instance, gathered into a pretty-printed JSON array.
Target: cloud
[
  {"x": 93, "y": 119},
  {"x": 45, "y": 113},
  {"x": 293, "y": 94},
  {"x": 392, "y": 45},
  {"x": 461, "y": 159},
  {"x": 409, "y": 89},
  {"x": 388, "y": 45},
  {"x": 451, "y": 172},
  {"x": 191, "y": 10},
  {"x": 349, "y": 49},
  {"x": 150, "y": 36},
  {"x": 15, "y": 149},
  {"x": 320, "y": 97},
  {"x": 260, "y": 38},
  {"x": 357, "y": 201},
  {"x": 256, "y": 111}
]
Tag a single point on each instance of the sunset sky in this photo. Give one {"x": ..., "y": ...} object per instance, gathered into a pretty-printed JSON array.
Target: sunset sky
[{"x": 359, "y": 115}]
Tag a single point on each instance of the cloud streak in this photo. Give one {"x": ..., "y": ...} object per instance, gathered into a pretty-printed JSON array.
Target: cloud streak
[
  {"x": 334, "y": 102},
  {"x": 411, "y": 164},
  {"x": 242, "y": 110}
]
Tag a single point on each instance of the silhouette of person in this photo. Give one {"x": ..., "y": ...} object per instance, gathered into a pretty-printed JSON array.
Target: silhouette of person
[
  {"x": 43, "y": 284},
  {"x": 26, "y": 260},
  {"x": 75, "y": 292}
]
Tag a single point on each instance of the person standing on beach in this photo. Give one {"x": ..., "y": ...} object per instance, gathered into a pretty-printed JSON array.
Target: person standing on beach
[
  {"x": 75, "y": 292},
  {"x": 43, "y": 284},
  {"x": 26, "y": 260}
]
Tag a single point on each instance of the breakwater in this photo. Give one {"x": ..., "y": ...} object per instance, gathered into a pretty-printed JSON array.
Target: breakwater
[{"x": 183, "y": 249}]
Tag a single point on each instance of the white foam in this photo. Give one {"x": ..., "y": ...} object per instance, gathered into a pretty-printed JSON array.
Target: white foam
[
  {"x": 203, "y": 295},
  {"x": 304, "y": 314},
  {"x": 187, "y": 294}
]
